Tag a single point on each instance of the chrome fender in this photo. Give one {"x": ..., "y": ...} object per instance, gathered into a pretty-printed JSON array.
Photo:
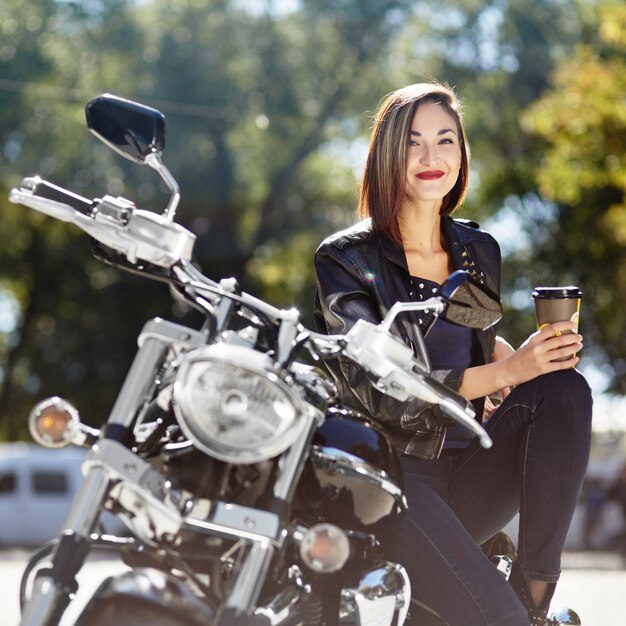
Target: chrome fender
[{"x": 146, "y": 590}]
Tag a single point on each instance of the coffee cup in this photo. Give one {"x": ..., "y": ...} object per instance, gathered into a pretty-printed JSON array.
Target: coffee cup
[{"x": 557, "y": 304}]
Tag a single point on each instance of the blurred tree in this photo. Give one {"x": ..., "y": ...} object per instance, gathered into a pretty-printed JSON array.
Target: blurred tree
[
  {"x": 61, "y": 307},
  {"x": 581, "y": 122},
  {"x": 250, "y": 98},
  {"x": 267, "y": 114},
  {"x": 500, "y": 56},
  {"x": 277, "y": 87},
  {"x": 23, "y": 26}
]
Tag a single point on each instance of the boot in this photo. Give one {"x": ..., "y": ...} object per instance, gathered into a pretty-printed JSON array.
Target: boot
[
  {"x": 501, "y": 545},
  {"x": 536, "y": 614}
]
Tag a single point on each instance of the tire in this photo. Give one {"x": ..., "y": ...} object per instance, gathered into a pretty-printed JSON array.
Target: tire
[{"x": 128, "y": 611}]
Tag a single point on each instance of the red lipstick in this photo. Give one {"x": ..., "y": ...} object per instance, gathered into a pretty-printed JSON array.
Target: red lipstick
[{"x": 430, "y": 175}]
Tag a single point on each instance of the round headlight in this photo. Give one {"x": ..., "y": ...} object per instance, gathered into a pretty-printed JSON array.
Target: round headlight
[{"x": 231, "y": 404}]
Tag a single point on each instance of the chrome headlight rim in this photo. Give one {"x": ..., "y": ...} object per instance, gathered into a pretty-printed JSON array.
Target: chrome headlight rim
[{"x": 198, "y": 362}]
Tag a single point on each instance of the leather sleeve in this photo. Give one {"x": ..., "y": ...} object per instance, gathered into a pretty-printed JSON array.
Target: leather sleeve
[{"x": 344, "y": 296}]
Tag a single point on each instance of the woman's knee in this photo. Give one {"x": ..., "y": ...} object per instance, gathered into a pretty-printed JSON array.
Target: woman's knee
[
  {"x": 564, "y": 385},
  {"x": 564, "y": 393},
  {"x": 571, "y": 388}
]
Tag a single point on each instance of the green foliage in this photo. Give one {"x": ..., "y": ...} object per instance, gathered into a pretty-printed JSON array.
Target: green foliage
[
  {"x": 500, "y": 55},
  {"x": 268, "y": 114},
  {"x": 582, "y": 122},
  {"x": 251, "y": 98}
]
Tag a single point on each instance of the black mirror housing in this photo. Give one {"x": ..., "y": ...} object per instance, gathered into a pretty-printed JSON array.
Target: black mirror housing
[{"x": 133, "y": 130}]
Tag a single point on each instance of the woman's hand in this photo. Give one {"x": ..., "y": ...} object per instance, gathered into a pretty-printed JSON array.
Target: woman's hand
[
  {"x": 533, "y": 358},
  {"x": 536, "y": 356}
]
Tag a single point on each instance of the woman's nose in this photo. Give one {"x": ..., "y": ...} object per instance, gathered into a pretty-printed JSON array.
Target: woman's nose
[{"x": 429, "y": 155}]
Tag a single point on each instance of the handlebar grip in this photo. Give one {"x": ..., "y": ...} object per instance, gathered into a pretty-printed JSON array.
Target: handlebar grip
[
  {"x": 462, "y": 410},
  {"x": 44, "y": 189},
  {"x": 452, "y": 396}
]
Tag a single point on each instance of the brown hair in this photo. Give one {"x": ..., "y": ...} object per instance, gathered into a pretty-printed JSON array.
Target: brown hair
[{"x": 384, "y": 177}]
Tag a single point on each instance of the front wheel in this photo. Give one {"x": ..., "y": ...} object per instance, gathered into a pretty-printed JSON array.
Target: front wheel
[{"x": 145, "y": 596}]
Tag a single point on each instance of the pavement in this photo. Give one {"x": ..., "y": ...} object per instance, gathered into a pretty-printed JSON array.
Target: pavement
[
  {"x": 592, "y": 583},
  {"x": 12, "y": 564}
]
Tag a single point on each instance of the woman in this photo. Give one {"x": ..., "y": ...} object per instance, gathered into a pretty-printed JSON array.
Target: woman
[{"x": 459, "y": 494}]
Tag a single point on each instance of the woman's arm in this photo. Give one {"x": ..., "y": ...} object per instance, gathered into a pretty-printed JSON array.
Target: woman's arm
[
  {"x": 533, "y": 358},
  {"x": 343, "y": 298}
]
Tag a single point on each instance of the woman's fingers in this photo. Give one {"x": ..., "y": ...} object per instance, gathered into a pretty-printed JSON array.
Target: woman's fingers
[
  {"x": 556, "y": 336},
  {"x": 557, "y": 347},
  {"x": 556, "y": 329},
  {"x": 567, "y": 363},
  {"x": 542, "y": 352},
  {"x": 561, "y": 351}
]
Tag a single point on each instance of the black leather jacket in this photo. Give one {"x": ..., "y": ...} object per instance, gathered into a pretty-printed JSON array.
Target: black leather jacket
[{"x": 360, "y": 274}]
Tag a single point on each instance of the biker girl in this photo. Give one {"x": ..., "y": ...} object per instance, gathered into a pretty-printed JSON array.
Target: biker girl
[{"x": 459, "y": 494}]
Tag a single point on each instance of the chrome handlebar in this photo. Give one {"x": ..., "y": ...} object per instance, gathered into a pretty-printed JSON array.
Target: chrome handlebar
[
  {"x": 115, "y": 222},
  {"x": 146, "y": 236},
  {"x": 396, "y": 371}
]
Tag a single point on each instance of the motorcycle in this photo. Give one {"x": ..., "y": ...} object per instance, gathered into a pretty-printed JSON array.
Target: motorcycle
[{"x": 248, "y": 490}]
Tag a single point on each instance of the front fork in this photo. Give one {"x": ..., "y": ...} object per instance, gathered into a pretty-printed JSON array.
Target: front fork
[
  {"x": 55, "y": 585},
  {"x": 242, "y": 599}
]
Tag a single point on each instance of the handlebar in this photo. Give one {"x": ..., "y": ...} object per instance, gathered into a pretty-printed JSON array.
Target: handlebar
[
  {"x": 45, "y": 189},
  {"x": 148, "y": 237},
  {"x": 455, "y": 405},
  {"x": 114, "y": 222},
  {"x": 397, "y": 372}
]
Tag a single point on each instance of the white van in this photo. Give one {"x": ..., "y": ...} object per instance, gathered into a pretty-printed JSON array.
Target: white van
[{"x": 36, "y": 489}]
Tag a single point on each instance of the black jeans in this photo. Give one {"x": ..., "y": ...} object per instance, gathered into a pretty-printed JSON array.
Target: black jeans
[{"x": 541, "y": 436}]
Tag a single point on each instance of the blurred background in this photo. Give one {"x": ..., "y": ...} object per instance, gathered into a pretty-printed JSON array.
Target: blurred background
[{"x": 268, "y": 107}]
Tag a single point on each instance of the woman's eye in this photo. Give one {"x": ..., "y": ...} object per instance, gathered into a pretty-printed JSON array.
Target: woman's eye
[
  {"x": 446, "y": 140},
  {"x": 413, "y": 143}
]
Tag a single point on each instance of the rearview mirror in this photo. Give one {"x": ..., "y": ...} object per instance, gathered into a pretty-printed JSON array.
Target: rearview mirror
[
  {"x": 133, "y": 130},
  {"x": 469, "y": 304}
]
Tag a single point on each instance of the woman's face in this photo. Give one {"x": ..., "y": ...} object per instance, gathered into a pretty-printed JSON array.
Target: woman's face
[{"x": 434, "y": 156}]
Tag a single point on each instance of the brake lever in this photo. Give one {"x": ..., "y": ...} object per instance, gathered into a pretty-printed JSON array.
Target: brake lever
[
  {"x": 115, "y": 222},
  {"x": 366, "y": 344},
  {"x": 460, "y": 409},
  {"x": 398, "y": 374}
]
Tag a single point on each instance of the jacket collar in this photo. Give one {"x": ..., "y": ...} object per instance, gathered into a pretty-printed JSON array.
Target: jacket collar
[
  {"x": 392, "y": 251},
  {"x": 456, "y": 238}
]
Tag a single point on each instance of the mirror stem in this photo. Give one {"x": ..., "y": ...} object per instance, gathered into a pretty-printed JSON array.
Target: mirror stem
[
  {"x": 154, "y": 161},
  {"x": 435, "y": 305}
]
